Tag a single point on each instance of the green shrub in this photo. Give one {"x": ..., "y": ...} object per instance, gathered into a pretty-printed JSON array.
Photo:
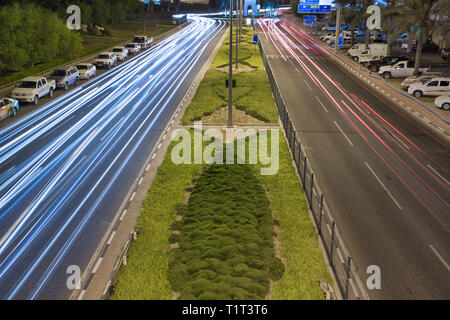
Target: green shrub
[{"x": 226, "y": 235}]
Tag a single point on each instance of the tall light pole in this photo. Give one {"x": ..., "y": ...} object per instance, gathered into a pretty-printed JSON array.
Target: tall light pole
[
  {"x": 338, "y": 27},
  {"x": 241, "y": 14},
  {"x": 237, "y": 33},
  {"x": 230, "y": 70}
]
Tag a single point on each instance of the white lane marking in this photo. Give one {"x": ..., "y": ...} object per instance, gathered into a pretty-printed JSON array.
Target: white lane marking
[
  {"x": 382, "y": 184},
  {"x": 164, "y": 137},
  {"x": 354, "y": 289},
  {"x": 140, "y": 181},
  {"x": 97, "y": 265},
  {"x": 148, "y": 167},
  {"x": 323, "y": 106},
  {"x": 308, "y": 85},
  {"x": 440, "y": 257},
  {"x": 106, "y": 287},
  {"x": 159, "y": 146},
  {"x": 398, "y": 139},
  {"x": 80, "y": 297},
  {"x": 123, "y": 214},
  {"x": 154, "y": 155},
  {"x": 438, "y": 174},
  {"x": 340, "y": 256},
  {"x": 132, "y": 196},
  {"x": 349, "y": 141},
  {"x": 111, "y": 237}
]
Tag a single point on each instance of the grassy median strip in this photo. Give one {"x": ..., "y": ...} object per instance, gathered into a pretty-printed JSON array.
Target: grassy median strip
[
  {"x": 252, "y": 93},
  {"x": 147, "y": 273}
]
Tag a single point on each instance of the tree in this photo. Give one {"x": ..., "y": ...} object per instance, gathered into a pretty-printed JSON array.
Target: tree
[{"x": 415, "y": 16}]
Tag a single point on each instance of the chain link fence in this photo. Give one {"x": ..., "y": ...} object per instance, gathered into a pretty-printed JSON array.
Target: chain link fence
[{"x": 340, "y": 261}]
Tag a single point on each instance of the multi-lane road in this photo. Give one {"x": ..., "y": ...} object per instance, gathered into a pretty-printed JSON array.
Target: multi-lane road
[
  {"x": 386, "y": 179},
  {"x": 66, "y": 167}
]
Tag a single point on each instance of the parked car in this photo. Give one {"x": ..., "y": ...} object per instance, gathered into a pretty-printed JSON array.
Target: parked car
[
  {"x": 86, "y": 70},
  {"x": 374, "y": 66},
  {"x": 424, "y": 77},
  {"x": 133, "y": 48},
  {"x": 364, "y": 60},
  {"x": 433, "y": 87},
  {"x": 65, "y": 77},
  {"x": 31, "y": 89},
  {"x": 362, "y": 54},
  {"x": 106, "y": 60},
  {"x": 428, "y": 47},
  {"x": 8, "y": 108},
  {"x": 401, "y": 69},
  {"x": 445, "y": 53},
  {"x": 325, "y": 36},
  {"x": 120, "y": 52},
  {"x": 144, "y": 41},
  {"x": 442, "y": 102}
]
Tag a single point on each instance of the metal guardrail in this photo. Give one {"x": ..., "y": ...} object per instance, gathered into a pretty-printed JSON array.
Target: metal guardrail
[
  {"x": 121, "y": 260},
  {"x": 339, "y": 259}
]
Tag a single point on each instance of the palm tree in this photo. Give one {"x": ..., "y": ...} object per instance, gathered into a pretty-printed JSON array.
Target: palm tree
[
  {"x": 389, "y": 16},
  {"x": 415, "y": 16}
]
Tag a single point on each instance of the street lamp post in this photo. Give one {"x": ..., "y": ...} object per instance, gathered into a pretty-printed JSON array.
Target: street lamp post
[
  {"x": 237, "y": 35},
  {"x": 338, "y": 27},
  {"x": 230, "y": 70}
]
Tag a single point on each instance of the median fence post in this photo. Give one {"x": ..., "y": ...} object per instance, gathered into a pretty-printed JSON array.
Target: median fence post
[
  {"x": 347, "y": 280},
  {"x": 320, "y": 215},
  {"x": 304, "y": 172},
  {"x": 332, "y": 243}
]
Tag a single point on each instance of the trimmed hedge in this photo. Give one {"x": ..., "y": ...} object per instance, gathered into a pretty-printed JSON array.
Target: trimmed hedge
[{"x": 226, "y": 242}]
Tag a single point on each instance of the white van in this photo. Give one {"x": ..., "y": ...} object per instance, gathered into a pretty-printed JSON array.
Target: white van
[
  {"x": 378, "y": 49},
  {"x": 433, "y": 87}
]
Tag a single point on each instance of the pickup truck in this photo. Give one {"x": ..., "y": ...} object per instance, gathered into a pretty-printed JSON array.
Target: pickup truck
[
  {"x": 401, "y": 69},
  {"x": 144, "y": 41},
  {"x": 31, "y": 89}
]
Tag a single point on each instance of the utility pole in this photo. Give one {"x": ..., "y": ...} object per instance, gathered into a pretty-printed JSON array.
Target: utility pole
[
  {"x": 241, "y": 14},
  {"x": 230, "y": 71},
  {"x": 237, "y": 33},
  {"x": 338, "y": 27}
]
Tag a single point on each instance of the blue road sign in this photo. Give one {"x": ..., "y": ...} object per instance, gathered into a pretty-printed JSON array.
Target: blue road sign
[
  {"x": 340, "y": 42},
  {"x": 309, "y": 20},
  {"x": 309, "y": 1},
  {"x": 324, "y": 9},
  {"x": 313, "y": 8},
  {"x": 255, "y": 38}
]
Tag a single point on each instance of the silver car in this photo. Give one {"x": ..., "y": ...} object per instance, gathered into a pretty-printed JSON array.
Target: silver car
[
  {"x": 65, "y": 77},
  {"x": 421, "y": 78}
]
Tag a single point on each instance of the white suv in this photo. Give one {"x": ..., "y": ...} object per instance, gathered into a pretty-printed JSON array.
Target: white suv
[
  {"x": 133, "y": 48},
  {"x": 106, "y": 59},
  {"x": 433, "y": 87},
  {"x": 120, "y": 52}
]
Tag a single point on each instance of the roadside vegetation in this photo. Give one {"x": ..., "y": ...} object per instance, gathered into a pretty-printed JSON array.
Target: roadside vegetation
[
  {"x": 30, "y": 46},
  {"x": 252, "y": 93}
]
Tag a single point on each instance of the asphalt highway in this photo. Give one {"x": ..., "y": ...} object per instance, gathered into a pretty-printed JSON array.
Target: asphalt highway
[
  {"x": 385, "y": 178},
  {"x": 66, "y": 167}
]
